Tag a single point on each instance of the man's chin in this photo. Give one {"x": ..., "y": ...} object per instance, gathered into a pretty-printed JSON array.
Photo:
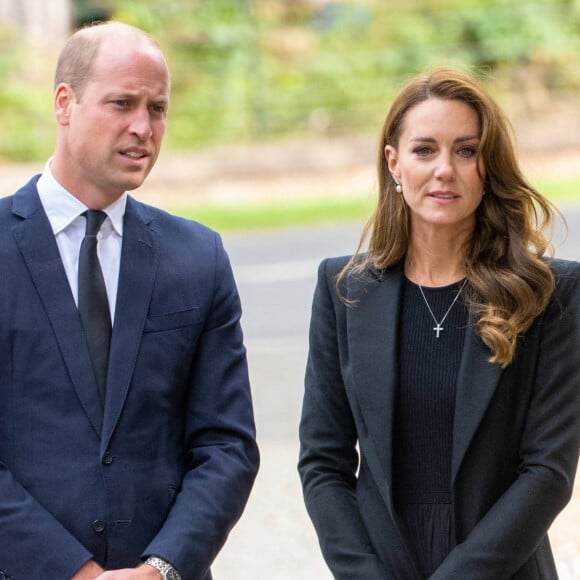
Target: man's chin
[{"x": 133, "y": 181}]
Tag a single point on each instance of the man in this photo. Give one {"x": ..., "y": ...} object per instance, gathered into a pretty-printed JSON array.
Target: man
[{"x": 132, "y": 460}]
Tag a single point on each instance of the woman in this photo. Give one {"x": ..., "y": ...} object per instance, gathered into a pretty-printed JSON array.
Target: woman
[{"x": 440, "y": 425}]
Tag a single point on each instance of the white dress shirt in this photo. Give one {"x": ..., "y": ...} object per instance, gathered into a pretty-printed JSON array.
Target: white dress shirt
[{"x": 68, "y": 225}]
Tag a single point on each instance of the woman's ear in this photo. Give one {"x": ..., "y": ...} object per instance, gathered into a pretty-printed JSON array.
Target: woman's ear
[{"x": 392, "y": 158}]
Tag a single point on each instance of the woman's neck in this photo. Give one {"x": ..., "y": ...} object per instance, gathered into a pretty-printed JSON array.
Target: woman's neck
[{"x": 435, "y": 261}]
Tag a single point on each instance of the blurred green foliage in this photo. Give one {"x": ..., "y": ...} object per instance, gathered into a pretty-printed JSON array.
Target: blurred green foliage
[{"x": 244, "y": 70}]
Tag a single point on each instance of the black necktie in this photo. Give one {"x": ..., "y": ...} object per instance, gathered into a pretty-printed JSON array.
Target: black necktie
[{"x": 93, "y": 303}]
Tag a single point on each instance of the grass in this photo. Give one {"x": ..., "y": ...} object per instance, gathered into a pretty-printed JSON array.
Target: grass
[
  {"x": 271, "y": 214},
  {"x": 561, "y": 191}
]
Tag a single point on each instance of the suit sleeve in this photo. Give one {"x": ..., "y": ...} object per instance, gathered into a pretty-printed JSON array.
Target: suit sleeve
[
  {"x": 512, "y": 529},
  {"x": 222, "y": 454},
  {"x": 328, "y": 458}
]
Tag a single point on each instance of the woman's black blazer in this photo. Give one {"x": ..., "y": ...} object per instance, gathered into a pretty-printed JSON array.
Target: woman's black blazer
[{"x": 515, "y": 444}]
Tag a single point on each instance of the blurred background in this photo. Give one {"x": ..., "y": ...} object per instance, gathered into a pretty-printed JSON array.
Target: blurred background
[
  {"x": 273, "y": 125},
  {"x": 247, "y": 70}
]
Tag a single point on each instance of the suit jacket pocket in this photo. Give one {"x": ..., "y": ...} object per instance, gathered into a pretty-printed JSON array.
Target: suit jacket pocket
[{"x": 172, "y": 320}]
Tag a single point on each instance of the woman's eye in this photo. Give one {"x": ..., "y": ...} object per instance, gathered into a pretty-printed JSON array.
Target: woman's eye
[
  {"x": 422, "y": 151},
  {"x": 467, "y": 151}
]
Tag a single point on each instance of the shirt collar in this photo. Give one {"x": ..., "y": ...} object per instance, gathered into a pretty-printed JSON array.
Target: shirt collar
[{"x": 62, "y": 208}]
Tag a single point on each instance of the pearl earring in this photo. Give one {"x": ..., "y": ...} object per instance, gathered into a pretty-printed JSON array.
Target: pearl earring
[{"x": 398, "y": 187}]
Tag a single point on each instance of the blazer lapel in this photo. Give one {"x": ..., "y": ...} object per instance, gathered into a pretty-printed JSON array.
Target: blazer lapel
[
  {"x": 373, "y": 334},
  {"x": 36, "y": 242},
  {"x": 476, "y": 383},
  {"x": 372, "y": 328},
  {"x": 136, "y": 277}
]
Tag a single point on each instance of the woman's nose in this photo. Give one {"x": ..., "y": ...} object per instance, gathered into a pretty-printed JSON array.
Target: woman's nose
[{"x": 444, "y": 168}]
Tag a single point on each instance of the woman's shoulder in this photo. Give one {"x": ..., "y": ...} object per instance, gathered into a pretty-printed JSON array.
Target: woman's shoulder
[
  {"x": 561, "y": 263},
  {"x": 358, "y": 266},
  {"x": 563, "y": 269},
  {"x": 567, "y": 277},
  {"x": 332, "y": 266}
]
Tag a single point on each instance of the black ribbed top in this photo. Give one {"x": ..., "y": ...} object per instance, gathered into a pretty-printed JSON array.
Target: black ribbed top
[{"x": 428, "y": 369}]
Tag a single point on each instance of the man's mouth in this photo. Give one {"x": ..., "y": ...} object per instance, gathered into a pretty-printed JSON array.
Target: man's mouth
[{"x": 134, "y": 154}]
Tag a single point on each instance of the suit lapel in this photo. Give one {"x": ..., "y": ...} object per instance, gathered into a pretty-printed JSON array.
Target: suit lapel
[
  {"x": 476, "y": 383},
  {"x": 36, "y": 242},
  {"x": 136, "y": 277},
  {"x": 373, "y": 334},
  {"x": 372, "y": 327}
]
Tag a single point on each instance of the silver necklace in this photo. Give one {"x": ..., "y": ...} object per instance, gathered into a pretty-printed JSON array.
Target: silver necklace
[{"x": 438, "y": 328}]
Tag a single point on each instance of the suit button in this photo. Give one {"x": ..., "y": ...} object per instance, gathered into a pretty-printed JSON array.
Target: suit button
[
  {"x": 107, "y": 458},
  {"x": 98, "y": 526}
]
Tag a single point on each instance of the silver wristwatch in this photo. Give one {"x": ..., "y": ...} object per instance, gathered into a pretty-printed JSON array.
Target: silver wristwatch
[{"x": 168, "y": 572}]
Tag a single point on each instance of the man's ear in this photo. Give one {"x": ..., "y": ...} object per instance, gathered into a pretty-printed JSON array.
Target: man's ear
[{"x": 64, "y": 98}]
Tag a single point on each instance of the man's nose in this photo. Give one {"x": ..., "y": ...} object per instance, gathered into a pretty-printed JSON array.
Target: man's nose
[{"x": 141, "y": 123}]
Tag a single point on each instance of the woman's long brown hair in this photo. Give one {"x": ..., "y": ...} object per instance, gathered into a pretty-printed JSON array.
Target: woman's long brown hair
[{"x": 510, "y": 283}]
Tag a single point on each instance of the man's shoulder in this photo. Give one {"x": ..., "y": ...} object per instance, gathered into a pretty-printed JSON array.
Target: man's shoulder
[
  {"x": 163, "y": 220},
  {"x": 23, "y": 202}
]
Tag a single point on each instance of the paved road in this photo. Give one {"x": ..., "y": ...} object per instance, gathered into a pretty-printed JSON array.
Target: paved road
[{"x": 276, "y": 272}]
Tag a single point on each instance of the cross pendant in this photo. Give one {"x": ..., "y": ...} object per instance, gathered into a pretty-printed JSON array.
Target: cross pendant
[{"x": 438, "y": 329}]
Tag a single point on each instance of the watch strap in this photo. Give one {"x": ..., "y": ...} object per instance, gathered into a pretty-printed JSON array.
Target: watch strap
[{"x": 168, "y": 572}]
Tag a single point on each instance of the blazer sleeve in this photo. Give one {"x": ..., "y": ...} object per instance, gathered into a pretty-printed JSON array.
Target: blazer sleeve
[
  {"x": 328, "y": 458},
  {"x": 222, "y": 453},
  {"x": 506, "y": 537}
]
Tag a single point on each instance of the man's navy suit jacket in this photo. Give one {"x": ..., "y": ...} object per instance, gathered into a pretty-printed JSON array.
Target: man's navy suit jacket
[{"x": 167, "y": 467}]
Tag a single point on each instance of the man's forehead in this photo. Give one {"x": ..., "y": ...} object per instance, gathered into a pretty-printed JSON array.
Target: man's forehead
[
  {"x": 132, "y": 67},
  {"x": 119, "y": 51}
]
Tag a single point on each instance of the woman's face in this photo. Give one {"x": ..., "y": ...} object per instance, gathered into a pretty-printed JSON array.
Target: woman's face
[{"x": 436, "y": 164}]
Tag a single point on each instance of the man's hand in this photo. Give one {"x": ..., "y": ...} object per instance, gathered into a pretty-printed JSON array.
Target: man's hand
[
  {"x": 89, "y": 571},
  {"x": 142, "y": 572},
  {"x": 92, "y": 571}
]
